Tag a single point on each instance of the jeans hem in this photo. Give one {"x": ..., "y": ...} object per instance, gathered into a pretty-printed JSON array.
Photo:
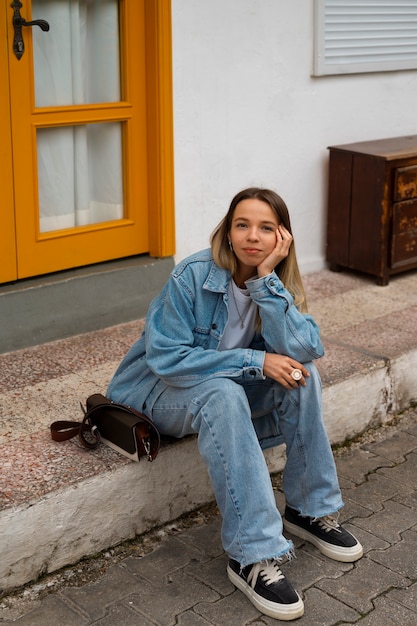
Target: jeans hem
[
  {"x": 289, "y": 552},
  {"x": 316, "y": 516}
]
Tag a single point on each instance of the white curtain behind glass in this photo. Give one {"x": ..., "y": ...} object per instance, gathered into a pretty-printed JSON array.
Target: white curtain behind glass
[{"x": 77, "y": 62}]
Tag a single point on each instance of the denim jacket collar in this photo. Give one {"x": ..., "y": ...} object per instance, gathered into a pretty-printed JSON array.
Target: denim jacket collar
[{"x": 218, "y": 279}]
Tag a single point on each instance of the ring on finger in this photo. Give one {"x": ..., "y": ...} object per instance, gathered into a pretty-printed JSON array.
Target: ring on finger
[{"x": 296, "y": 374}]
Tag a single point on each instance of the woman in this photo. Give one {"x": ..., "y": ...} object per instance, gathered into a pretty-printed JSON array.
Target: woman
[{"x": 227, "y": 353}]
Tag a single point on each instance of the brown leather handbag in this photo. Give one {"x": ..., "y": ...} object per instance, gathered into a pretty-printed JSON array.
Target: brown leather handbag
[{"x": 124, "y": 429}]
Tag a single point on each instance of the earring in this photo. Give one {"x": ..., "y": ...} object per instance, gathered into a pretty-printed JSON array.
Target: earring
[{"x": 230, "y": 245}]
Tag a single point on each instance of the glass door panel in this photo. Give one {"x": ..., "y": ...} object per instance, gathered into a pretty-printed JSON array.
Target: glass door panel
[
  {"x": 78, "y": 60},
  {"x": 80, "y": 175}
]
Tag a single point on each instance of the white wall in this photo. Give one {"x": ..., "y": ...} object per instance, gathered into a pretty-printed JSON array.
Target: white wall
[{"x": 248, "y": 112}]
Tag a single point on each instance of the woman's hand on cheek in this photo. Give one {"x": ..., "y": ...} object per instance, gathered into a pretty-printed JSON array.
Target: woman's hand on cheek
[{"x": 282, "y": 247}]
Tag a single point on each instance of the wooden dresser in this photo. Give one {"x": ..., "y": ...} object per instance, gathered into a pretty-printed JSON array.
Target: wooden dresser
[{"x": 372, "y": 207}]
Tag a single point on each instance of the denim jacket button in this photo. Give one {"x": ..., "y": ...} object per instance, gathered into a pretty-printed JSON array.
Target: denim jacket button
[{"x": 214, "y": 326}]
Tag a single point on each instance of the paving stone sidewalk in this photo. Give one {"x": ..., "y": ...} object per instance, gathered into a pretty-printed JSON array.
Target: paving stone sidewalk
[{"x": 183, "y": 581}]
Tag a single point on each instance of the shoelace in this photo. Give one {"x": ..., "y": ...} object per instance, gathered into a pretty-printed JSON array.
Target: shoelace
[
  {"x": 268, "y": 570},
  {"x": 328, "y": 523}
]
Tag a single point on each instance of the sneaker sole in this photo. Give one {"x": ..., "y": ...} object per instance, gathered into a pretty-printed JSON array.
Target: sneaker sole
[
  {"x": 285, "y": 612},
  {"x": 337, "y": 553}
]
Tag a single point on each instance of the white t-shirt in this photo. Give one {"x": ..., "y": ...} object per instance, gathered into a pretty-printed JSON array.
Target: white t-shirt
[{"x": 240, "y": 327}]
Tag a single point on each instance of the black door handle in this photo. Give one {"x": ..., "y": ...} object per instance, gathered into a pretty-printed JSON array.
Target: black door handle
[{"x": 18, "y": 22}]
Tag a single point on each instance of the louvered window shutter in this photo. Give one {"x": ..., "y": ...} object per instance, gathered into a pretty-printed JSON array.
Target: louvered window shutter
[{"x": 364, "y": 36}]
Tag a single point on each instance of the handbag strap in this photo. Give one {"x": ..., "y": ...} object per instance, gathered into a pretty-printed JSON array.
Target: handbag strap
[{"x": 62, "y": 430}]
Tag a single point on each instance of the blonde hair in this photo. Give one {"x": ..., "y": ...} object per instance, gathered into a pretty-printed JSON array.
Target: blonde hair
[{"x": 287, "y": 270}]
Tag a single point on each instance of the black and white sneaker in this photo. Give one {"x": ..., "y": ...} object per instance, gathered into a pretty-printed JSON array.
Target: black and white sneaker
[
  {"x": 326, "y": 534},
  {"x": 267, "y": 588}
]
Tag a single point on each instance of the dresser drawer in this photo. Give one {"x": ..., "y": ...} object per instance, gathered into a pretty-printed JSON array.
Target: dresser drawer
[
  {"x": 404, "y": 236},
  {"x": 405, "y": 186},
  {"x": 404, "y": 217}
]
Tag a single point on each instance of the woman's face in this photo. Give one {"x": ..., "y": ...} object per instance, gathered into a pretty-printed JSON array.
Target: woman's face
[{"x": 253, "y": 233}]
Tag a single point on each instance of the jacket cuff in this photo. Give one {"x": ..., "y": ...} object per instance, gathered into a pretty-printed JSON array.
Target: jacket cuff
[
  {"x": 254, "y": 371},
  {"x": 265, "y": 285}
]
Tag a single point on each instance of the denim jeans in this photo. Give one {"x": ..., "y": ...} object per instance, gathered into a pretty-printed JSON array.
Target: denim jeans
[{"x": 230, "y": 418}]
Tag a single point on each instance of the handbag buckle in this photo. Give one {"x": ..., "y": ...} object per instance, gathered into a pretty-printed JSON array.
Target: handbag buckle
[{"x": 147, "y": 445}]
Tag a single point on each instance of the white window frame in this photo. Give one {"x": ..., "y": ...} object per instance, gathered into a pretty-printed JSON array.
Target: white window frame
[{"x": 356, "y": 36}]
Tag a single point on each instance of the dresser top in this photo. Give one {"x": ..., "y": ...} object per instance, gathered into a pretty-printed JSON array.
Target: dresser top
[{"x": 393, "y": 148}]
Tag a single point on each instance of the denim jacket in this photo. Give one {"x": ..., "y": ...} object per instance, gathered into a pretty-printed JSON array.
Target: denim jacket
[{"x": 186, "y": 321}]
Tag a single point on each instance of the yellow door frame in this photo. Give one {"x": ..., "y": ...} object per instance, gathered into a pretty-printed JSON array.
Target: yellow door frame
[{"x": 160, "y": 128}]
